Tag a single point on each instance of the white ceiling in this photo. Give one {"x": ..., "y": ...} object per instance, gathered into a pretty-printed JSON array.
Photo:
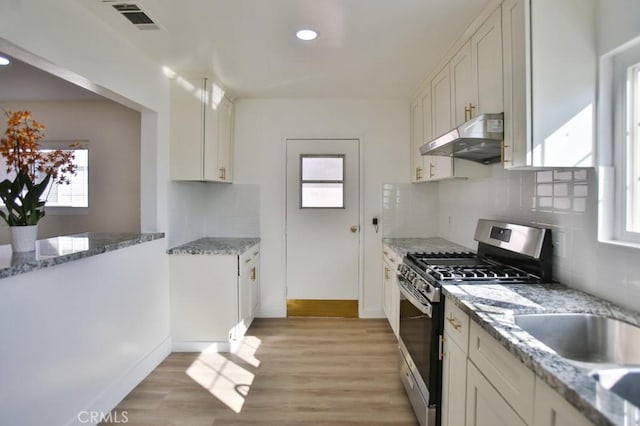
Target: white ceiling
[{"x": 365, "y": 48}]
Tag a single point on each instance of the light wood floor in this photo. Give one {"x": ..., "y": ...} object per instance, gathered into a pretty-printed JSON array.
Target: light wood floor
[{"x": 295, "y": 371}]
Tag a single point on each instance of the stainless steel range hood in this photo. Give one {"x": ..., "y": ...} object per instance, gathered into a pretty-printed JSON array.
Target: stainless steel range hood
[{"x": 478, "y": 139}]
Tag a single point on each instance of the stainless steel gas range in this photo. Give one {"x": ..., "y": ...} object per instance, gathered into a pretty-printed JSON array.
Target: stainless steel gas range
[{"x": 506, "y": 254}]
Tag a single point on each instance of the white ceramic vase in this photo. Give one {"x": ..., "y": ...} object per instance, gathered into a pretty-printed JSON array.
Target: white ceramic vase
[{"x": 23, "y": 238}]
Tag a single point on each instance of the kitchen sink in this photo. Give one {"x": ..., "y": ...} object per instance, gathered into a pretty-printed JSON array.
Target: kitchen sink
[
  {"x": 585, "y": 337},
  {"x": 621, "y": 381}
]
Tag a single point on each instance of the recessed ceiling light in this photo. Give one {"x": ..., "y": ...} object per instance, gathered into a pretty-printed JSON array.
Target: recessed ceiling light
[
  {"x": 306, "y": 34},
  {"x": 4, "y": 61}
]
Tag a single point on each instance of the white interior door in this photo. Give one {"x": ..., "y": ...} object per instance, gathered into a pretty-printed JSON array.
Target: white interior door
[{"x": 322, "y": 224}]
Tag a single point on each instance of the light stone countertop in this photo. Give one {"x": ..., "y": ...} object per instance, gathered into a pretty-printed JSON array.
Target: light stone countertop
[
  {"x": 215, "y": 246},
  {"x": 58, "y": 250},
  {"x": 493, "y": 307},
  {"x": 402, "y": 246}
]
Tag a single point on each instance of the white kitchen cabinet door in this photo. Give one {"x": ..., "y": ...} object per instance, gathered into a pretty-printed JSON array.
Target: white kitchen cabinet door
[
  {"x": 454, "y": 383},
  {"x": 390, "y": 290},
  {"x": 255, "y": 284},
  {"x": 549, "y": 83},
  {"x": 417, "y": 139},
  {"x": 463, "y": 86},
  {"x": 225, "y": 140},
  {"x": 485, "y": 406},
  {"x": 248, "y": 288},
  {"x": 441, "y": 102},
  {"x": 551, "y": 409},
  {"x": 188, "y": 96},
  {"x": 201, "y": 130},
  {"x": 203, "y": 291},
  {"x": 486, "y": 64}
]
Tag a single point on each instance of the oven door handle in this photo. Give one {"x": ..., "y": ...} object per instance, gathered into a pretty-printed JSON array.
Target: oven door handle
[{"x": 425, "y": 309}]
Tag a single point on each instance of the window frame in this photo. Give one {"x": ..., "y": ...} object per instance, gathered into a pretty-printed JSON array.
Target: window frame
[
  {"x": 623, "y": 149},
  {"x": 303, "y": 181},
  {"x": 64, "y": 145}
]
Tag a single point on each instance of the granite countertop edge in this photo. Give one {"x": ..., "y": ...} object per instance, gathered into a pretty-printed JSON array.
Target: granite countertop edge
[
  {"x": 98, "y": 243},
  {"x": 493, "y": 308},
  {"x": 215, "y": 246}
]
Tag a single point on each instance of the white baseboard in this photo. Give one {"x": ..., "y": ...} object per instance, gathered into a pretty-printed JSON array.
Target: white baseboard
[
  {"x": 124, "y": 384},
  {"x": 202, "y": 347},
  {"x": 371, "y": 313}
]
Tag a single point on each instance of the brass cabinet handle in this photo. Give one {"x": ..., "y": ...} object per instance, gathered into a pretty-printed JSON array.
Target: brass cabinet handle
[
  {"x": 386, "y": 273},
  {"x": 418, "y": 173},
  {"x": 454, "y": 323},
  {"x": 503, "y": 160},
  {"x": 468, "y": 111},
  {"x": 253, "y": 273},
  {"x": 431, "y": 167},
  {"x": 223, "y": 173}
]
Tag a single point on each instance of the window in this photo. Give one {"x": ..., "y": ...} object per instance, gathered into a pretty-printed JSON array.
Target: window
[
  {"x": 619, "y": 147},
  {"x": 321, "y": 181},
  {"x": 632, "y": 196},
  {"x": 61, "y": 196},
  {"x": 76, "y": 193}
]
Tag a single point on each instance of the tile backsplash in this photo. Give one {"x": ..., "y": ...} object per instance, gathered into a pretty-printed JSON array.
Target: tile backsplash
[
  {"x": 564, "y": 200},
  {"x": 409, "y": 210}
]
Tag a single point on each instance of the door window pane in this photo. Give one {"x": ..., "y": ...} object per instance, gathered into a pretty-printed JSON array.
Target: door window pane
[
  {"x": 322, "y": 195},
  {"x": 322, "y": 181},
  {"x": 322, "y": 168}
]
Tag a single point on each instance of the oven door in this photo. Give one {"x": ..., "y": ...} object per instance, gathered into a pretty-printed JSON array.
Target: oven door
[{"x": 420, "y": 331}]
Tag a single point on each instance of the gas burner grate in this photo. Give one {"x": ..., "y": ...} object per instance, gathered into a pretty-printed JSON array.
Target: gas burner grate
[{"x": 476, "y": 273}]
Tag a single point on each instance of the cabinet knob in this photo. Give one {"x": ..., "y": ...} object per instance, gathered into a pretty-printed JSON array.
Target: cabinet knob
[{"x": 354, "y": 228}]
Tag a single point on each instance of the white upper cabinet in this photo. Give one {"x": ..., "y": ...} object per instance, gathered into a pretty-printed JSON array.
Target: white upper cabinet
[
  {"x": 417, "y": 139},
  {"x": 463, "y": 88},
  {"x": 201, "y": 130},
  {"x": 486, "y": 65},
  {"x": 225, "y": 140},
  {"x": 441, "y": 102},
  {"x": 549, "y": 83}
]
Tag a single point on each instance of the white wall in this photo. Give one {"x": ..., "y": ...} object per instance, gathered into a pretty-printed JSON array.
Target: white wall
[
  {"x": 113, "y": 132},
  {"x": 261, "y": 129},
  {"x": 618, "y": 22}
]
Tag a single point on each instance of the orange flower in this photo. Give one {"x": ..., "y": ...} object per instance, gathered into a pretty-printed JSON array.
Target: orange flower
[{"x": 20, "y": 148}]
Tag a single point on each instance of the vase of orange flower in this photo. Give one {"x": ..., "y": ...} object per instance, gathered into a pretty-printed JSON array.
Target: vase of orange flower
[{"x": 25, "y": 195}]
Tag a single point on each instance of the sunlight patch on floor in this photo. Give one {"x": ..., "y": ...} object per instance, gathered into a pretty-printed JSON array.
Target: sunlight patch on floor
[{"x": 229, "y": 382}]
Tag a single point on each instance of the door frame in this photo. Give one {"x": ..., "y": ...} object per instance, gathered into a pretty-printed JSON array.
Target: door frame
[{"x": 361, "y": 188}]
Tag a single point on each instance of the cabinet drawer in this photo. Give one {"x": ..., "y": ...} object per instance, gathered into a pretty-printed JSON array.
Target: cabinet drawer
[
  {"x": 507, "y": 374},
  {"x": 249, "y": 254},
  {"x": 390, "y": 256},
  {"x": 456, "y": 325}
]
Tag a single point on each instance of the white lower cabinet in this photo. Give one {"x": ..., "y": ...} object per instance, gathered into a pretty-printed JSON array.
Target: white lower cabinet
[
  {"x": 390, "y": 290},
  {"x": 454, "y": 383},
  {"x": 552, "y": 410},
  {"x": 213, "y": 299},
  {"x": 484, "y": 384},
  {"x": 485, "y": 405}
]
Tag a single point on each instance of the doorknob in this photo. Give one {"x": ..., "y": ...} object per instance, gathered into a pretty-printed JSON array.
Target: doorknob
[{"x": 354, "y": 228}]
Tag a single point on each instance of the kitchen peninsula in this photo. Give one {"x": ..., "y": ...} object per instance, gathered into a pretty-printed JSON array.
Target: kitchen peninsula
[{"x": 82, "y": 320}]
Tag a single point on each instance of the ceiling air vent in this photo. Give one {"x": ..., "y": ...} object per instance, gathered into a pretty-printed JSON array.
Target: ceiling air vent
[{"x": 136, "y": 16}]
